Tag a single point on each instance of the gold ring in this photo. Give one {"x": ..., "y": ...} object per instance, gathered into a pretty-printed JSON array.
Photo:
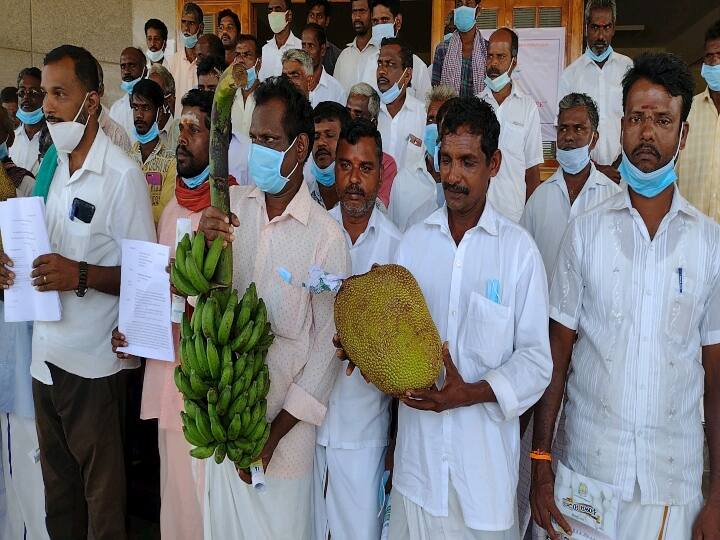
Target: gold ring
[{"x": 45, "y": 279}]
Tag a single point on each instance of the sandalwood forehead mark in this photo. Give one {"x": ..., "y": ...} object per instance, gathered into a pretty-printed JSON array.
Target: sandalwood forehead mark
[{"x": 190, "y": 118}]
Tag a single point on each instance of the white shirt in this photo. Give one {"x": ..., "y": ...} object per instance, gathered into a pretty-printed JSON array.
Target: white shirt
[
  {"x": 396, "y": 132},
  {"x": 521, "y": 147},
  {"x": 420, "y": 84},
  {"x": 109, "y": 180},
  {"x": 328, "y": 89},
  {"x": 185, "y": 75},
  {"x": 605, "y": 87},
  {"x": 25, "y": 151},
  {"x": 241, "y": 113},
  {"x": 506, "y": 344},
  {"x": 115, "y": 132},
  {"x": 272, "y": 56},
  {"x": 350, "y": 65},
  {"x": 635, "y": 385},
  {"x": 238, "y": 153},
  {"x": 548, "y": 211},
  {"x": 413, "y": 196},
  {"x": 121, "y": 112},
  {"x": 358, "y": 414}
]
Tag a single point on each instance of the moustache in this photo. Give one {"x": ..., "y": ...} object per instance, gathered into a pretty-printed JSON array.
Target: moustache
[
  {"x": 322, "y": 152},
  {"x": 456, "y": 188},
  {"x": 354, "y": 190},
  {"x": 493, "y": 73},
  {"x": 600, "y": 43},
  {"x": 182, "y": 151},
  {"x": 644, "y": 148}
]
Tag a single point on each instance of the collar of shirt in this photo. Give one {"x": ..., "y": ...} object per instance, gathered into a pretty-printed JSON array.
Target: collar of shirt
[
  {"x": 323, "y": 79},
  {"x": 587, "y": 61},
  {"x": 168, "y": 125},
  {"x": 20, "y": 134},
  {"x": 487, "y": 95},
  {"x": 488, "y": 220},
  {"x": 373, "y": 224},
  {"x": 595, "y": 179},
  {"x": 369, "y": 47},
  {"x": 299, "y": 207},
  {"x": 411, "y": 104},
  {"x": 293, "y": 42},
  {"x": 93, "y": 161},
  {"x": 622, "y": 202}
]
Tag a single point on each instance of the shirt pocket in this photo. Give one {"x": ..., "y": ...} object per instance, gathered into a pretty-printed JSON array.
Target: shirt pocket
[
  {"x": 76, "y": 243},
  {"x": 512, "y": 140},
  {"x": 287, "y": 307},
  {"x": 488, "y": 337},
  {"x": 413, "y": 153},
  {"x": 681, "y": 315}
]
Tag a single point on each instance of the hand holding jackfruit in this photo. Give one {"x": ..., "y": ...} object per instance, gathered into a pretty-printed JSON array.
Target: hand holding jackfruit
[{"x": 387, "y": 331}]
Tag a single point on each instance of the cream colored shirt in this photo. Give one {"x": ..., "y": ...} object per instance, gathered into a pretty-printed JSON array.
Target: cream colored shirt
[
  {"x": 302, "y": 361},
  {"x": 698, "y": 167},
  {"x": 185, "y": 75}
]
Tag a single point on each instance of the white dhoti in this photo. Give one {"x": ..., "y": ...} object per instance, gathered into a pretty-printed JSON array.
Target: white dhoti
[
  {"x": 24, "y": 488},
  {"x": 235, "y": 510},
  {"x": 408, "y": 521},
  {"x": 345, "y": 493}
]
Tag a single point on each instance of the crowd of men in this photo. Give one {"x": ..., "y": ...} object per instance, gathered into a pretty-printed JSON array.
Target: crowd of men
[{"x": 580, "y": 315}]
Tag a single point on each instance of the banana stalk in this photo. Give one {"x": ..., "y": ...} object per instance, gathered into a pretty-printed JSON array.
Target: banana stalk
[{"x": 232, "y": 79}]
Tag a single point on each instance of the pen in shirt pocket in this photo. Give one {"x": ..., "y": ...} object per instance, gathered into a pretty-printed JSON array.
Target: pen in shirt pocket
[{"x": 680, "y": 279}]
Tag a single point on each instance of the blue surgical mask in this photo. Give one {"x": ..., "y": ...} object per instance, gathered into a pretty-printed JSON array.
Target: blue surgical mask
[
  {"x": 574, "y": 160},
  {"x": 392, "y": 93},
  {"x": 30, "y": 118},
  {"x": 648, "y": 184},
  {"x": 3, "y": 150},
  {"x": 382, "y": 31},
  {"x": 264, "y": 168},
  {"x": 436, "y": 158},
  {"x": 499, "y": 82},
  {"x": 152, "y": 133},
  {"x": 599, "y": 58},
  {"x": 325, "y": 176},
  {"x": 464, "y": 17},
  {"x": 447, "y": 36},
  {"x": 430, "y": 138},
  {"x": 196, "y": 181},
  {"x": 711, "y": 74},
  {"x": 251, "y": 76},
  {"x": 127, "y": 86},
  {"x": 190, "y": 41}
]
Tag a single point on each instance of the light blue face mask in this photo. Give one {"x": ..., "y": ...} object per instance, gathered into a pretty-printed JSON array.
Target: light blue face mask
[
  {"x": 430, "y": 138},
  {"x": 152, "y": 133},
  {"x": 447, "y": 36},
  {"x": 599, "y": 58},
  {"x": 251, "y": 76},
  {"x": 30, "y": 118},
  {"x": 190, "y": 41},
  {"x": 196, "y": 181},
  {"x": 501, "y": 81},
  {"x": 264, "y": 168},
  {"x": 574, "y": 160},
  {"x": 127, "y": 86},
  {"x": 436, "y": 158},
  {"x": 464, "y": 17},
  {"x": 3, "y": 150},
  {"x": 711, "y": 74},
  {"x": 648, "y": 184},
  {"x": 325, "y": 176},
  {"x": 382, "y": 31},
  {"x": 392, "y": 93}
]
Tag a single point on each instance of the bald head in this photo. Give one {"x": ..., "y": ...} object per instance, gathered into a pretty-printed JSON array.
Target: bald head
[
  {"x": 209, "y": 45},
  {"x": 132, "y": 64},
  {"x": 506, "y": 38}
]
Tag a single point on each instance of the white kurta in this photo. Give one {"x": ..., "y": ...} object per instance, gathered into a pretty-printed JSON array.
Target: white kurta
[{"x": 499, "y": 338}]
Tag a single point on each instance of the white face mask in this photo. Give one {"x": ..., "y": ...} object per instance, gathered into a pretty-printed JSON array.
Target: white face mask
[
  {"x": 66, "y": 135},
  {"x": 277, "y": 21}
]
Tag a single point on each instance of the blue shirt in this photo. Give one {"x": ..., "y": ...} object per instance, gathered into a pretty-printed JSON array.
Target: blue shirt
[{"x": 15, "y": 357}]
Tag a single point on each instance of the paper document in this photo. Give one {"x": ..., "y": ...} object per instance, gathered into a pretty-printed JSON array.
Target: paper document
[
  {"x": 590, "y": 506},
  {"x": 145, "y": 300},
  {"x": 25, "y": 238}
]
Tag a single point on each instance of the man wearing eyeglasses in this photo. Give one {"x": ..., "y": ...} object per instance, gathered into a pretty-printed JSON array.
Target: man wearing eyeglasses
[{"x": 26, "y": 149}]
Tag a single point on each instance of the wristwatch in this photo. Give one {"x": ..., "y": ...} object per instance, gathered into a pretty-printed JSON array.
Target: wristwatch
[{"x": 82, "y": 282}]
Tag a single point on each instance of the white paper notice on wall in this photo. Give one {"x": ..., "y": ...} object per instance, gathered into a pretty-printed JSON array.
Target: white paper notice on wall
[
  {"x": 24, "y": 239},
  {"x": 145, "y": 301}
]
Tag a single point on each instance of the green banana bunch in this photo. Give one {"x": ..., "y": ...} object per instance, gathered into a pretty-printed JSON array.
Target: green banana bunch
[
  {"x": 194, "y": 268},
  {"x": 223, "y": 376}
]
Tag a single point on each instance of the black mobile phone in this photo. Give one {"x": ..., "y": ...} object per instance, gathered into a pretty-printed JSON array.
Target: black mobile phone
[{"x": 82, "y": 210}]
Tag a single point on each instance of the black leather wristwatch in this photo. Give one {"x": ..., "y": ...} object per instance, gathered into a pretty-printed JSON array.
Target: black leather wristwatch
[{"x": 82, "y": 282}]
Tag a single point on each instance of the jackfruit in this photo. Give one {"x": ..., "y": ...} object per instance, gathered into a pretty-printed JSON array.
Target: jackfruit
[{"x": 387, "y": 331}]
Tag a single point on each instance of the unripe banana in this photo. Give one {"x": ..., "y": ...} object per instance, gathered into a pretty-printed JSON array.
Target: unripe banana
[{"x": 212, "y": 258}]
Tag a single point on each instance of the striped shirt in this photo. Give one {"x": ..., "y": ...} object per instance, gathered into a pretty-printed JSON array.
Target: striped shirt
[
  {"x": 699, "y": 163},
  {"x": 643, "y": 309}
]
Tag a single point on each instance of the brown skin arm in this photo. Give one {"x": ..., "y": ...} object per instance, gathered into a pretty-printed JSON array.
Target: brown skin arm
[
  {"x": 532, "y": 180},
  {"x": 542, "y": 499},
  {"x": 54, "y": 272},
  {"x": 279, "y": 427},
  {"x": 707, "y": 524}
]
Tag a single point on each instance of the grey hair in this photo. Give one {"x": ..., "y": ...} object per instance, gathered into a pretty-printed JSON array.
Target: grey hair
[
  {"x": 581, "y": 100},
  {"x": 441, "y": 92},
  {"x": 165, "y": 76},
  {"x": 364, "y": 89},
  {"x": 301, "y": 57},
  {"x": 600, "y": 4}
]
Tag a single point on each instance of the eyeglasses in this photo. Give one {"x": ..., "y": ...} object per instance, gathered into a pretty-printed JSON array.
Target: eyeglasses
[{"x": 32, "y": 93}]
